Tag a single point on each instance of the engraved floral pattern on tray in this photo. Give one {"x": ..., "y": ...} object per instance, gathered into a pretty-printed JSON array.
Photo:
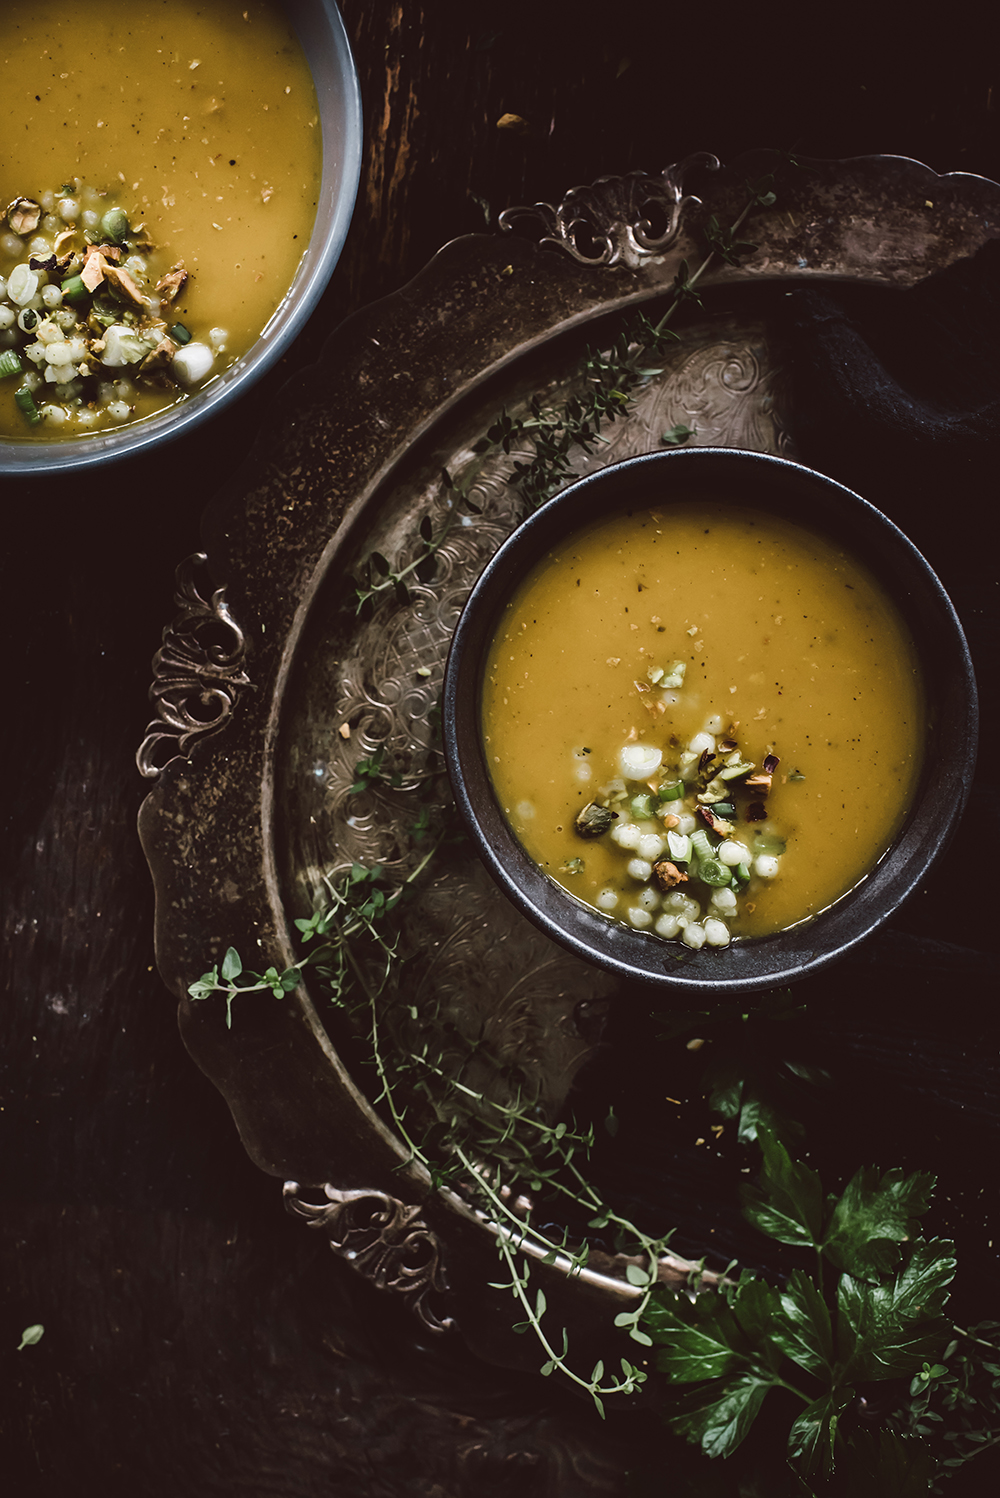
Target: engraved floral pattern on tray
[{"x": 383, "y": 690}]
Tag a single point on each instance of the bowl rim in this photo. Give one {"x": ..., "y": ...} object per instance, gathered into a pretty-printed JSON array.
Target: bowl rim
[
  {"x": 336, "y": 80},
  {"x": 949, "y": 756}
]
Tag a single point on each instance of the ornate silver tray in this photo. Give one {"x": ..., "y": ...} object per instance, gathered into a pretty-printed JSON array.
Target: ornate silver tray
[{"x": 269, "y": 688}]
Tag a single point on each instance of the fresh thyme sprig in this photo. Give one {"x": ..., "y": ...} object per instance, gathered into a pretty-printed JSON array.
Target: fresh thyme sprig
[{"x": 608, "y": 381}]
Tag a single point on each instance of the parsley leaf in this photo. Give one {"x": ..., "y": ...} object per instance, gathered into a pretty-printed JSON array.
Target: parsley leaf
[
  {"x": 803, "y": 1329},
  {"x": 889, "y": 1330},
  {"x": 719, "y": 1415},
  {"x": 787, "y": 1204},
  {"x": 874, "y": 1215},
  {"x": 812, "y": 1436}
]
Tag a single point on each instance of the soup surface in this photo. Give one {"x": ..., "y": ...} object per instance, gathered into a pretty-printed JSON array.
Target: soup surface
[
  {"x": 685, "y": 632},
  {"x": 200, "y": 121}
]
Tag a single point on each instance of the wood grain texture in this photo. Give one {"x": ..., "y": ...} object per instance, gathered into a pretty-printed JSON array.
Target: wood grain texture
[{"x": 197, "y": 1341}]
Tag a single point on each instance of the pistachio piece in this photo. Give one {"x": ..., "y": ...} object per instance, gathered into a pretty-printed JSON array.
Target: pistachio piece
[
  {"x": 594, "y": 820},
  {"x": 24, "y": 215}
]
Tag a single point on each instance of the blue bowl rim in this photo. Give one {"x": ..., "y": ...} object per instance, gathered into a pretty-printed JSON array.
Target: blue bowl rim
[{"x": 751, "y": 965}]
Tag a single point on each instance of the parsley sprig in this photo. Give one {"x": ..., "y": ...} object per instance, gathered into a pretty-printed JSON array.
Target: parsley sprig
[{"x": 879, "y": 1317}]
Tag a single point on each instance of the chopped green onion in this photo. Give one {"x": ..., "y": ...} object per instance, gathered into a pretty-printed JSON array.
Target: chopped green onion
[
  {"x": 763, "y": 843},
  {"x": 114, "y": 225},
  {"x": 10, "y": 364},
  {"x": 26, "y": 405},
  {"x": 701, "y": 844},
  {"x": 671, "y": 792},
  {"x": 680, "y": 846},
  {"x": 723, "y": 808},
  {"x": 642, "y": 806},
  {"x": 179, "y": 333},
  {"x": 74, "y": 290},
  {"x": 711, "y": 871}
]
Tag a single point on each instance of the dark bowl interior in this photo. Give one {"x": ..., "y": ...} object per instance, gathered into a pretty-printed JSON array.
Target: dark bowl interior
[{"x": 795, "y": 493}]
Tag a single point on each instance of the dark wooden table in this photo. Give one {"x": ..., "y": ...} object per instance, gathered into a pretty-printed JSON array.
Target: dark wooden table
[{"x": 196, "y": 1341}]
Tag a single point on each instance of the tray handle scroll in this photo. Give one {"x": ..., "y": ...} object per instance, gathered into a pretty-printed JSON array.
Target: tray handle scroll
[
  {"x": 198, "y": 673},
  {"x": 615, "y": 220},
  {"x": 384, "y": 1240}
]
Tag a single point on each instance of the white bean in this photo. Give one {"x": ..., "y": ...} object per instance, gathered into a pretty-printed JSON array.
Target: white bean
[
  {"x": 606, "y": 900},
  {"x": 640, "y": 869},
  {"x": 640, "y": 917},
  {"x": 626, "y": 835},
  {"x": 700, "y": 743},
  {"x": 716, "y": 933},
  {"x": 683, "y": 905},
  {"x": 732, "y": 853},
  {"x": 649, "y": 899},
  {"x": 668, "y": 925},
  {"x": 693, "y": 935},
  {"x": 724, "y": 901},
  {"x": 650, "y": 847},
  {"x": 766, "y": 865}
]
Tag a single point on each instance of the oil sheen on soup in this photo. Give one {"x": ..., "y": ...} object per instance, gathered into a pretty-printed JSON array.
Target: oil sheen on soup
[
  {"x": 673, "y": 661},
  {"x": 199, "y": 120}
]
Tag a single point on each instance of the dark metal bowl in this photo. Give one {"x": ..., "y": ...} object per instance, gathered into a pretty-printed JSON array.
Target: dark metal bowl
[{"x": 795, "y": 493}]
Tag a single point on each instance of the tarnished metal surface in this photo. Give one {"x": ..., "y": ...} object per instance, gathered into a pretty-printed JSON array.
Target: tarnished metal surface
[{"x": 240, "y": 835}]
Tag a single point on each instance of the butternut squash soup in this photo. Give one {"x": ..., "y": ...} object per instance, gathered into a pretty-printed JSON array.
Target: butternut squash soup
[
  {"x": 158, "y": 185},
  {"x": 702, "y": 720}
]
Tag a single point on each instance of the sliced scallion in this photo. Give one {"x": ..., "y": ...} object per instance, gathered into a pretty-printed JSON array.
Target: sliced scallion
[
  {"x": 671, "y": 792},
  {"x": 25, "y": 402},
  {"x": 10, "y": 364},
  {"x": 642, "y": 806},
  {"x": 701, "y": 844},
  {"x": 114, "y": 225},
  {"x": 680, "y": 846},
  {"x": 74, "y": 290},
  {"x": 711, "y": 871}
]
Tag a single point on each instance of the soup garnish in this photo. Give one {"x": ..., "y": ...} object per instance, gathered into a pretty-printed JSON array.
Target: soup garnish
[
  {"x": 84, "y": 315},
  {"x": 603, "y": 720}
]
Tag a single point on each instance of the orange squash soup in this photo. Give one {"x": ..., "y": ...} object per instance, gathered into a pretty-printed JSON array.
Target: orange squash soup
[
  {"x": 158, "y": 185},
  {"x": 703, "y": 720}
]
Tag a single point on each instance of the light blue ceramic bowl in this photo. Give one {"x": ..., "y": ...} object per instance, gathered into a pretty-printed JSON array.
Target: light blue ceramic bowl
[{"x": 324, "y": 40}]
